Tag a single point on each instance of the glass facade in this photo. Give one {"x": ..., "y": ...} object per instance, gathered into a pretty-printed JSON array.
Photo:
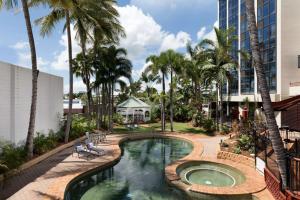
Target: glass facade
[
  {"x": 222, "y": 14},
  {"x": 223, "y": 26},
  {"x": 266, "y": 18},
  {"x": 233, "y": 21},
  {"x": 246, "y": 68},
  {"x": 267, "y": 33}
]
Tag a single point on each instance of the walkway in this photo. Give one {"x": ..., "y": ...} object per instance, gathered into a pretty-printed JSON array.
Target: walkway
[{"x": 210, "y": 145}]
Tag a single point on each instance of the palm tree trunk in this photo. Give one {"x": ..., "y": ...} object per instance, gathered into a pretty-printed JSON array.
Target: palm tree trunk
[
  {"x": 217, "y": 107},
  {"x": 69, "y": 119},
  {"x": 171, "y": 101},
  {"x": 101, "y": 105},
  {"x": 109, "y": 106},
  {"x": 112, "y": 107},
  {"x": 275, "y": 138},
  {"x": 163, "y": 104},
  {"x": 221, "y": 107},
  {"x": 30, "y": 133},
  {"x": 98, "y": 108}
]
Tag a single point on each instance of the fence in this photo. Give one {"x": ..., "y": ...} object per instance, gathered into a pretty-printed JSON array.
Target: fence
[{"x": 264, "y": 150}]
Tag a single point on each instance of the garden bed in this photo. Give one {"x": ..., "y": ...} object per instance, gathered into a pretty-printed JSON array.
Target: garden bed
[{"x": 232, "y": 145}]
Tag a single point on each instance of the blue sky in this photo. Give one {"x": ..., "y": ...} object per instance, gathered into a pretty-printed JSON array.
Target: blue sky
[{"x": 151, "y": 26}]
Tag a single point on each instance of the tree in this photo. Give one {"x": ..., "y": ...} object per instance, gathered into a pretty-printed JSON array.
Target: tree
[
  {"x": 112, "y": 68},
  {"x": 148, "y": 79},
  {"x": 60, "y": 10},
  {"x": 83, "y": 68},
  {"x": 193, "y": 70},
  {"x": 157, "y": 67},
  {"x": 30, "y": 134},
  {"x": 86, "y": 18},
  {"x": 104, "y": 27},
  {"x": 265, "y": 95},
  {"x": 173, "y": 61},
  {"x": 220, "y": 63}
]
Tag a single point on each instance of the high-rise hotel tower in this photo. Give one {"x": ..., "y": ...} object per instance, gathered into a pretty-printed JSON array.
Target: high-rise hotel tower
[{"x": 278, "y": 24}]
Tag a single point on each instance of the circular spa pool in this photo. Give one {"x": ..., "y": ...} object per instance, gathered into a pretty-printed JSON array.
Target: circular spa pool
[
  {"x": 211, "y": 174},
  {"x": 140, "y": 174}
]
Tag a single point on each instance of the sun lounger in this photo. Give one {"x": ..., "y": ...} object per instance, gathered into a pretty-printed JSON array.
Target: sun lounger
[
  {"x": 80, "y": 150},
  {"x": 92, "y": 148}
]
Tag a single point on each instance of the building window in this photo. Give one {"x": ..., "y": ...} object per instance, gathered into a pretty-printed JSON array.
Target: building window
[
  {"x": 298, "y": 61},
  {"x": 147, "y": 114}
]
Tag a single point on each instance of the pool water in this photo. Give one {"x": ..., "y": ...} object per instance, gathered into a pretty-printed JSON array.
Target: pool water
[
  {"x": 210, "y": 178},
  {"x": 140, "y": 174},
  {"x": 211, "y": 174}
]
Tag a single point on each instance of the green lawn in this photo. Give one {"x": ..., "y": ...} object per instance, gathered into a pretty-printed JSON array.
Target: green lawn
[{"x": 178, "y": 126}]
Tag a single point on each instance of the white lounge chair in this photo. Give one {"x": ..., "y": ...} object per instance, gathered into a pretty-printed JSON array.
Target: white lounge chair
[{"x": 91, "y": 147}]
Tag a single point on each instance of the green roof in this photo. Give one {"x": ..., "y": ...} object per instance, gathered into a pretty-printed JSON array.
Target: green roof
[{"x": 133, "y": 102}]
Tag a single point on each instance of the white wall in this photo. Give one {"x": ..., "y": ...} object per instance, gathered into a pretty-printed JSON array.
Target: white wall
[
  {"x": 15, "y": 101},
  {"x": 290, "y": 44}
]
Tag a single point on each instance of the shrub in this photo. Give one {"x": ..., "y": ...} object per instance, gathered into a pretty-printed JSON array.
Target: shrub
[
  {"x": 237, "y": 150},
  {"x": 225, "y": 129},
  {"x": 80, "y": 125},
  {"x": 43, "y": 143},
  {"x": 155, "y": 113},
  {"x": 3, "y": 167},
  {"x": 245, "y": 142},
  {"x": 198, "y": 119},
  {"x": 183, "y": 113},
  {"x": 118, "y": 118},
  {"x": 208, "y": 125},
  {"x": 12, "y": 156}
]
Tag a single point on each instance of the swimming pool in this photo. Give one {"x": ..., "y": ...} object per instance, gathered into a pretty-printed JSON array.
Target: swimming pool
[{"x": 139, "y": 175}]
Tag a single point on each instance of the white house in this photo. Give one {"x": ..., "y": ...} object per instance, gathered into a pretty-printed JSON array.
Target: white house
[
  {"x": 134, "y": 110},
  {"x": 15, "y": 101}
]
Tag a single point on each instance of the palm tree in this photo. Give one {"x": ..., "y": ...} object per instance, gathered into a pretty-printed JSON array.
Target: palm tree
[
  {"x": 173, "y": 61},
  {"x": 220, "y": 63},
  {"x": 30, "y": 134},
  {"x": 111, "y": 70},
  {"x": 148, "y": 79},
  {"x": 265, "y": 95},
  {"x": 104, "y": 27},
  {"x": 157, "y": 67},
  {"x": 60, "y": 10},
  {"x": 83, "y": 67},
  {"x": 85, "y": 15},
  {"x": 193, "y": 70}
]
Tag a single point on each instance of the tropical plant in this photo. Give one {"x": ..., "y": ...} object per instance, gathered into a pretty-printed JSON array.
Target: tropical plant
[
  {"x": 157, "y": 67},
  {"x": 275, "y": 137},
  {"x": 220, "y": 63},
  {"x": 111, "y": 69},
  {"x": 149, "y": 79},
  {"x": 86, "y": 18},
  {"x": 83, "y": 67},
  {"x": 173, "y": 61},
  {"x": 9, "y": 4}
]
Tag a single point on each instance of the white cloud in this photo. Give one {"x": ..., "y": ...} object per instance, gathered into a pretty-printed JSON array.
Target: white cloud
[
  {"x": 172, "y": 5},
  {"x": 24, "y": 56},
  {"x": 143, "y": 33},
  {"x": 201, "y": 33},
  {"x": 21, "y": 45},
  {"x": 61, "y": 59},
  {"x": 175, "y": 42}
]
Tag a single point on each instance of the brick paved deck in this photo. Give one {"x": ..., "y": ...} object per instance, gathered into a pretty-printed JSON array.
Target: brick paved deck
[{"x": 48, "y": 179}]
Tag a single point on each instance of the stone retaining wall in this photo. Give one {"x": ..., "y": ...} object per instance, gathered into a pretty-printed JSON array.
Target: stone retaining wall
[{"x": 236, "y": 158}]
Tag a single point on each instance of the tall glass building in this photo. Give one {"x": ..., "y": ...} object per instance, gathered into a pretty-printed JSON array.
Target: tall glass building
[{"x": 279, "y": 37}]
